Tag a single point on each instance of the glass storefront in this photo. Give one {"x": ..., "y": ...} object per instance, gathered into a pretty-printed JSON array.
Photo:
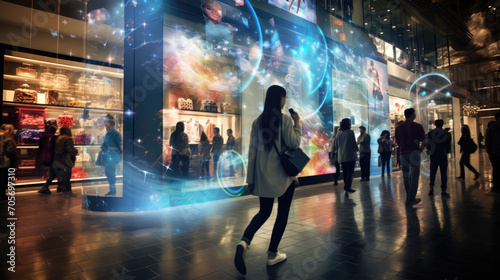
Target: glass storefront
[{"x": 206, "y": 65}]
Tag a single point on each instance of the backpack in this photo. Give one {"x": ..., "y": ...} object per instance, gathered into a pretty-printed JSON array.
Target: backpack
[{"x": 472, "y": 147}]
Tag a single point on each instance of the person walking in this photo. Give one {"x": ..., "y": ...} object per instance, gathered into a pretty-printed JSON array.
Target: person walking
[
  {"x": 217, "y": 144},
  {"x": 493, "y": 149},
  {"x": 64, "y": 158},
  {"x": 111, "y": 147},
  {"x": 466, "y": 143},
  {"x": 334, "y": 158},
  {"x": 410, "y": 136},
  {"x": 438, "y": 146},
  {"x": 9, "y": 157},
  {"x": 267, "y": 178},
  {"x": 385, "y": 151},
  {"x": 46, "y": 155},
  {"x": 346, "y": 149},
  {"x": 179, "y": 142},
  {"x": 204, "y": 148},
  {"x": 365, "y": 154}
]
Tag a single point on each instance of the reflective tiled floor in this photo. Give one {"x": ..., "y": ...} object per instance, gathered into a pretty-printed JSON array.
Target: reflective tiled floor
[{"x": 370, "y": 235}]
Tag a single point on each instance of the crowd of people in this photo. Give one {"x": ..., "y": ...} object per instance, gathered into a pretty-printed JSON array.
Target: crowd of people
[{"x": 181, "y": 152}]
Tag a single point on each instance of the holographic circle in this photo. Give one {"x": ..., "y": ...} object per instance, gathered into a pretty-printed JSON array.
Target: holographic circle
[{"x": 231, "y": 191}]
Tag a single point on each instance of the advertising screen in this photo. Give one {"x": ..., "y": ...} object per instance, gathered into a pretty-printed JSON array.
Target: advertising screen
[{"x": 301, "y": 8}]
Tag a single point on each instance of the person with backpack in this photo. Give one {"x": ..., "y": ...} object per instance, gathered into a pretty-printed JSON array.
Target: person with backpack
[
  {"x": 467, "y": 147},
  {"x": 46, "y": 150},
  {"x": 8, "y": 157}
]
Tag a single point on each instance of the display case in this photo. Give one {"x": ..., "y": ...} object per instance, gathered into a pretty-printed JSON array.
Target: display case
[{"x": 41, "y": 91}]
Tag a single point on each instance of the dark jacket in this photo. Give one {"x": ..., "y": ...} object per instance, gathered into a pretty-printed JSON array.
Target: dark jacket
[
  {"x": 493, "y": 140},
  {"x": 409, "y": 135},
  {"x": 384, "y": 145},
  {"x": 45, "y": 156},
  {"x": 464, "y": 143},
  {"x": 9, "y": 149},
  {"x": 438, "y": 142},
  {"x": 179, "y": 143},
  {"x": 112, "y": 147},
  {"x": 65, "y": 153}
]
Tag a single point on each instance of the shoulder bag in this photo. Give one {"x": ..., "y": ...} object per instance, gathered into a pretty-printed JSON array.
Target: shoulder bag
[{"x": 292, "y": 160}]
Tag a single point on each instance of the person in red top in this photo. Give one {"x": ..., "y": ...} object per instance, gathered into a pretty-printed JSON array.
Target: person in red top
[{"x": 410, "y": 137}]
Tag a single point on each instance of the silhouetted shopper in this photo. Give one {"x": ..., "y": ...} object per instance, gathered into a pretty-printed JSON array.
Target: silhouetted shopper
[
  {"x": 217, "y": 144},
  {"x": 230, "y": 144},
  {"x": 10, "y": 157},
  {"x": 204, "y": 148},
  {"x": 334, "y": 158},
  {"x": 46, "y": 151},
  {"x": 465, "y": 143},
  {"x": 365, "y": 153},
  {"x": 410, "y": 137},
  {"x": 346, "y": 149},
  {"x": 385, "y": 151},
  {"x": 439, "y": 145},
  {"x": 266, "y": 176},
  {"x": 64, "y": 158},
  {"x": 493, "y": 150},
  {"x": 398, "y": 149},
  {"x": 180, "y": 150},
  {"x": 111, "y": 147}
]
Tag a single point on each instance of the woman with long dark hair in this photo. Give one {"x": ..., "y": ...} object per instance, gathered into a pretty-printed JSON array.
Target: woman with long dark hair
[
  {"x": 266, "y": 176},
  {"x": 180, "y": 150},
  {"x": 465, "y": 143},
  {"x": 385, "y": 151}
]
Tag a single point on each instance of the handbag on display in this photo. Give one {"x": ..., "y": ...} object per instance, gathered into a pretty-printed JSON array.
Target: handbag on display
[{"x": 292, "y": 160}]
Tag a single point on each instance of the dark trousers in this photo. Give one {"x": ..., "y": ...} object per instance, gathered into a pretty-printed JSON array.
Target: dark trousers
[
  {"x": 64, "y": 177},
  {"x": 216, "y": 158},
  {"x": 205, "y": 168},
  {"x": 442, "y": 163},
  {"x": 337, "y": 172},
  {"x": 495, "y": 162},
  {"x": 110, "y": 171},
  {"x": 410, "y": 165},
  {"x": 465, "y": 161},
  {"x": 176, "y": 160},
  {"x": 266, "y": 207},
  {"x": 364, "y": 163},
  {"x": 386, "y": 162},
  {"x": 52, "y": 176},
  {"x": 348, "y": 169}
]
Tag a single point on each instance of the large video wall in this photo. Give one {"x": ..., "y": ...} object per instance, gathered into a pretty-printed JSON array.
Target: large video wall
[{"x": 221, "y": 56}]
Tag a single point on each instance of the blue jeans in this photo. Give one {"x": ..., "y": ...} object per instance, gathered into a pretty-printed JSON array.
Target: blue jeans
[
  {"x": 410, "y": 164},
  {"x": 110, "y": 171}
]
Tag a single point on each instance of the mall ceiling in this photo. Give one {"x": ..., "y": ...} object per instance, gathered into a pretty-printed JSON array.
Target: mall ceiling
[{"x": 482, "y": 19}]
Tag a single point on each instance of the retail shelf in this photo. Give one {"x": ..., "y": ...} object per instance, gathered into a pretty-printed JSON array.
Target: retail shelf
[
  {"x": 76, "y": 145},
  {"x": 197, "y": 113},
  {"x": 34, "y": 105},
  {"x": 30, "y": 183},
  {"x": 93, "y": 68}
]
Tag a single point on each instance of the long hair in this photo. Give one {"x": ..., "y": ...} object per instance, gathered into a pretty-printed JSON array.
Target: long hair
[
  {"x": 179, "y": 129},
  {"x": 385, "y": 132},
  {"x": 203, "y": 137},
  {"x": 65, "y": 130},
  {"x": 466, "y": 131},
  {"x": 8, "y": 130},
  {"x": 271, "y": 117}
]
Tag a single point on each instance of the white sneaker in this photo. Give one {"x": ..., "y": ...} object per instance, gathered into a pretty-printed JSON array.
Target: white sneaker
[
  {"x": 279, "y": 258},
  {"x": 240, "y": 256}
]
